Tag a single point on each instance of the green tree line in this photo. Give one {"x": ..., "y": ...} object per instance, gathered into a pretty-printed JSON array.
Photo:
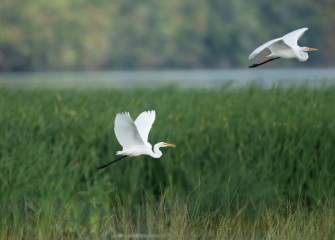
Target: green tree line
[{"x": 151, "y": 34}]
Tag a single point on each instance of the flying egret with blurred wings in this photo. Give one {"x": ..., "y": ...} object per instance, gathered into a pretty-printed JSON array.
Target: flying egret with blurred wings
[
  {"x": 285, "y": 47},
  {"x": 133, "y": 136}
]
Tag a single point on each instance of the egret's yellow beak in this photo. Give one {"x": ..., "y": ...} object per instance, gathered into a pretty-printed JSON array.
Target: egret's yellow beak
[
  {"x": 312, "y": 49},
  {"x": 169, "y": 145}
]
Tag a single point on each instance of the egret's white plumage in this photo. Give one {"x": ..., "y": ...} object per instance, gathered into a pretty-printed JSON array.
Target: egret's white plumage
[
  {"x": 144, "y": 123},
  {"x": 133, "y": 136},
  {"x": 284, "y": 47}
]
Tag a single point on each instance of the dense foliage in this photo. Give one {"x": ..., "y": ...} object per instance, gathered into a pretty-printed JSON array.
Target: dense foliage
[
  {"x": 238, "y": 151},
  {"x": 148, "y": 34},
  {"x": 265, "y": 145}
]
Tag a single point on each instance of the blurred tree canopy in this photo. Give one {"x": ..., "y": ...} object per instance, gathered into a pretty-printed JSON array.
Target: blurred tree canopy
[{"x": 151, "y": 34}]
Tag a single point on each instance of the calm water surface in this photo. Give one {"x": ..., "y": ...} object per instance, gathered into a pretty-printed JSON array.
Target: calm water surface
[{"x": 266, "y": 78}]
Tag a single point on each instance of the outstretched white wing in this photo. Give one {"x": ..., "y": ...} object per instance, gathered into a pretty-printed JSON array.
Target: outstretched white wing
[
  {"x": 144, "y": 123},
  {"x": 262, "y": 47},
  {"x": 292, "y": 38},
  {"x": 126, "y": 131}
]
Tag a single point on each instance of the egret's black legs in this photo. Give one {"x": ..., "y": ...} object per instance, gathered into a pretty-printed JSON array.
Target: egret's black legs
[
  {"x": 258, "y": 64},
  {"x": 110, "y": 163}
]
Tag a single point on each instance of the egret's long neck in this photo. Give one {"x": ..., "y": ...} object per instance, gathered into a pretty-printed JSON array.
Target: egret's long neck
[
  {"x": 303, "y": 56},
  {"x": 156, "y": 152}
]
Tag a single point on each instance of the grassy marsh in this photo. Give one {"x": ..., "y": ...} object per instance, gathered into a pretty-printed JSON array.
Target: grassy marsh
[{"x": 249, "y": 164}]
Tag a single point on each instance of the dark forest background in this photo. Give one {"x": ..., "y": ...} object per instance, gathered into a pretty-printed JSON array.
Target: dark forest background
[{"x": 42, "y": 35}]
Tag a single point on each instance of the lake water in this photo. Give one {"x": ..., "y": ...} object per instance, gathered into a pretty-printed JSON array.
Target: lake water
[{"x": 265, "y": 78}]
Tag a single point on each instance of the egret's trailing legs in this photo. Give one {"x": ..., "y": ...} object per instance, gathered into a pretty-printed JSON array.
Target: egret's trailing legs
[
  {"x": 110, "y": 163},
  {"x": 258, "y": 64}
]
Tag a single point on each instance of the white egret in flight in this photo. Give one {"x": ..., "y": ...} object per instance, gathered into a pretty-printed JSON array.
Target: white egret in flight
[
  {"x": 133, "y": 136},
  {"x": 284, "y": 47}
]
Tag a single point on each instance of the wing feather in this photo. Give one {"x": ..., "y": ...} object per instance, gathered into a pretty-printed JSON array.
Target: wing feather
[
  {"x": 279, "y": 46},
  {"x": 144, "y": 123},
  {"x": 126, "y": 131},
  {"x": 292, "y": 38},
  {"x": 262, "y": 47}
]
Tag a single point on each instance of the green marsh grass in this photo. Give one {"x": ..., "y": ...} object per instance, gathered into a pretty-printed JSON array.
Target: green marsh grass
[{"x": 249, "y": 163}]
